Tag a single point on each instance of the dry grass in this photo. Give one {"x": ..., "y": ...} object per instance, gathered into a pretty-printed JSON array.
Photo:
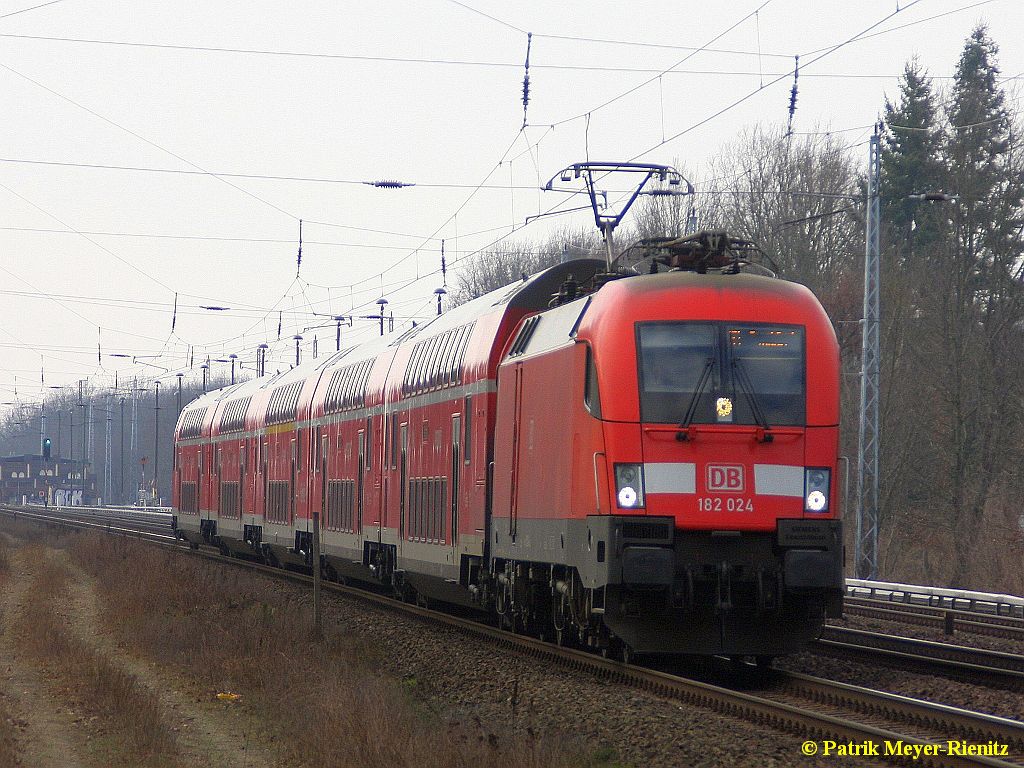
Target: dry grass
[
  {"x": 329, "y": 707},
  {"x": 9, "y": 753},
  {"x": 131, "y": 714}
]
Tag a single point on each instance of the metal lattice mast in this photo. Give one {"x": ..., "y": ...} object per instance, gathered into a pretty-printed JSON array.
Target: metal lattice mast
[
  {"x": 107, "y": 485},
  {"x": 91, "y": 441},
  {"x": 133, "y": 446},
  {"x": 867, "y": 434}
]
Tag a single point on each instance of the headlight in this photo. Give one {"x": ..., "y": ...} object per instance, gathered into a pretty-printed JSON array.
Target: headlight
[
  {"x": 629, "y": 485},
  {"x": 816, "y": 489}
]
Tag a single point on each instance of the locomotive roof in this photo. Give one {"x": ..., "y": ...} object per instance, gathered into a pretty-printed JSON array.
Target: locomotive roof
[{"x": 642, "y": 287}]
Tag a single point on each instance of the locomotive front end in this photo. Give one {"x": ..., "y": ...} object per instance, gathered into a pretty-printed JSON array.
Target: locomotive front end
[{"x": 719, "y": 403}]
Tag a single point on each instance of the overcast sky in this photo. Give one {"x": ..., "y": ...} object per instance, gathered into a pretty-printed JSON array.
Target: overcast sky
[{"x": 137, "y": 137}]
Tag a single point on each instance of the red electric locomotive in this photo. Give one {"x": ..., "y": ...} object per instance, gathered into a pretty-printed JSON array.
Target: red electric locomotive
[{"x": 630, "y": 462}]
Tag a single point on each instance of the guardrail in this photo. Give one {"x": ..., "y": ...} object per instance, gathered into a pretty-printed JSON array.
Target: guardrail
[
  {"x": 113, "y": 509},
  {"x": 938, "y": 597}
]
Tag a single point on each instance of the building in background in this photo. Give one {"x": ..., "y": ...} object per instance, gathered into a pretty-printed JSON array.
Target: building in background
[{"x": 34, "y": 479}]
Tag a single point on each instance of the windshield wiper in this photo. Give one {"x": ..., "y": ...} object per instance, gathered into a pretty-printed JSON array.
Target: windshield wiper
[
  {"x": 748, "y": 391},
  {"x": 691, "y": 409}
]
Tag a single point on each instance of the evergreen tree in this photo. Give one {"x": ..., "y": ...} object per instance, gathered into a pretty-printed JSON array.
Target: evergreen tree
[
  {"x": 911, "y": 164},
  {"x": 982, "y": 156},
  {"x": 978, "y": 301}
]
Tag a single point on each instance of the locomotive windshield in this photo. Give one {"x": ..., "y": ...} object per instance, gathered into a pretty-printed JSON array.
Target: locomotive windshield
[{"x": 715, "y": 373}]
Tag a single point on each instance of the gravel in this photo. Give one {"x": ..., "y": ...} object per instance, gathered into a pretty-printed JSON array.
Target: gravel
[
  {"x": 467, "y": 679},
  {"x": 960, "y": 637},
  {"x": 887, "y": 676}
]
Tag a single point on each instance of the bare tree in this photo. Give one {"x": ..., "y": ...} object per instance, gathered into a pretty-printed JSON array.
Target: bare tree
[{"x": 507, "y": 262}]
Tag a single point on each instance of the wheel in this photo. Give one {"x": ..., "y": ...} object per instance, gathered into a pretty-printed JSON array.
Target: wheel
[
  {"x": 610, "y": 652},
  {"x": 563, "y": 636},
  {"x": 400, "y": 590},
  {"x": 560, "y": 622},
  {"x": 628, "y": 655}
]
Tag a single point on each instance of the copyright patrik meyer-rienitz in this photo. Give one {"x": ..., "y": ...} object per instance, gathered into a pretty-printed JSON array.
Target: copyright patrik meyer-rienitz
[{"x": 914, "y": 751}]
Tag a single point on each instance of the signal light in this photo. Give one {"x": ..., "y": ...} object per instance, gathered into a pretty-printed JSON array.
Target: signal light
[{"x": 46, "y": 448}]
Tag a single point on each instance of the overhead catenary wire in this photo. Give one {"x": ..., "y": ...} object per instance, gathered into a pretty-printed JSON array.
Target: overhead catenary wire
[
  {"x": 145, "y": 140},
  {"x": 735, "y": 103},
  {"x": 32, "y": 8},
  {"x": 729, "y": 51},
  {"x": 303, "y": 286},
  {"x": 637, "y": 87},
  {"x": 477, "y": 63}
]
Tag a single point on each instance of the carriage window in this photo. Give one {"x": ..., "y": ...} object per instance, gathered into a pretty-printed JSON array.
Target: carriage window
[{"x": 369, "y": 442}]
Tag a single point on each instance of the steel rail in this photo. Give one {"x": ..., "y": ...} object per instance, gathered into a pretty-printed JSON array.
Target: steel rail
[
  {"x": 71, "y": 521},
  {"x": 948, "y": 619},
  {"x": 994, "y": 668}
]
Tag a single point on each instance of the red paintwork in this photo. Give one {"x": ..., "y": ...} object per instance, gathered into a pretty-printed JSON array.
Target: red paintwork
[
  {"x": 548, "y": 445},
  {"x": 553, "y": 458}
]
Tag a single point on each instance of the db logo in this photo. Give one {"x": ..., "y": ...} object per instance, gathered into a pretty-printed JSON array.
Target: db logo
[{"x": 725, "y": 478}]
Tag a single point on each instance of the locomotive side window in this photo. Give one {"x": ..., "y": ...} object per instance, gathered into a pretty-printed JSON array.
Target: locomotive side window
[
  {"x": 739, "y": 373},
  {"x": 591, "y": 395}
]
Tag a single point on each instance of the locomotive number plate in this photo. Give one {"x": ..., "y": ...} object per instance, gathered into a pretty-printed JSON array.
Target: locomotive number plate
[{"x": 727, "y": 504}]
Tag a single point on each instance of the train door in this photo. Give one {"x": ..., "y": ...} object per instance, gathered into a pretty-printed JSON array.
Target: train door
[
  {"x": 242, "y": 451},
  {"x": 360, "y": 477},
  {"x": 199, "y": 480},
  {"x": 293, "y": 480},
  {"x": 265, "y": 470},
  {"x": 322, "y": 442},
  {"x": 455, "y": 485},
  {"x": 388, "y": 457},
  {"x": 218, "y": 480},
  {"x": 403, "y": 479},
  {"x": 513, "y": 518}
]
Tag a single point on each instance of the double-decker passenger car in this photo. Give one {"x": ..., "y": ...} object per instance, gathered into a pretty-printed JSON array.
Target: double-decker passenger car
[{"x": 634, "y": 462}]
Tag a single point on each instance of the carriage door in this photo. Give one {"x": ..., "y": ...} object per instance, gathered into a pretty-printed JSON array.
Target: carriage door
[
  {"x": 360, "y": 477},
  {"x": 455, "y": 485},
  {"x": 264, "y": 469},
  {"x": 322, "y": 469},
  {"x": 293, "y": 487},
  {"x": 514, "y": 512},
  {"x": 242, "y": 453},
  {"x": 218, "y": 482},
  {"x": 199, "y": 481},
  {"x": 403, "y": 477}
]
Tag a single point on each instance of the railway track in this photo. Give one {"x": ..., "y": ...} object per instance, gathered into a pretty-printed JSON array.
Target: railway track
[
  {"x": 959, "y": 662},
  {"x": 949, "y": 620},
  {"x": 818, "y": 710},
  {"x": 126, "y": 522}
]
